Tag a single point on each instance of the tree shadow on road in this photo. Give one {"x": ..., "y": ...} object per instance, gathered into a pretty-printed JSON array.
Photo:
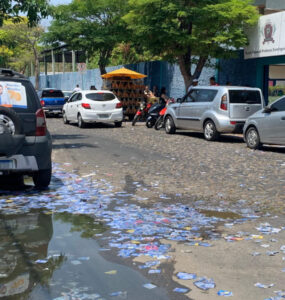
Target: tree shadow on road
[
  {"x": 73, "y": 146},
  {"x": 233, "y": 139},
  {"x": 68, "y": 136}
]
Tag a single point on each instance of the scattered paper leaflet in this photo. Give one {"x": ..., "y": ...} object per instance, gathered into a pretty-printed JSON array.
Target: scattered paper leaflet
[{"x": 13, "y": 94}]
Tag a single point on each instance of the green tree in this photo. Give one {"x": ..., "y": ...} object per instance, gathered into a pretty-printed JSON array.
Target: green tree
[
  {"x": 190, "y": 32},
  {"x": 93, "y": 26},
  {"x": 34, "y": 9},
  {"x": 20, "y": 46}
]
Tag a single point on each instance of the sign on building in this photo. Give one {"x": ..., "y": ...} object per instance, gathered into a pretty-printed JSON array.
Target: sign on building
[
  {"x": 82, "y": 68},
  {"x": 267, "y": 38}
]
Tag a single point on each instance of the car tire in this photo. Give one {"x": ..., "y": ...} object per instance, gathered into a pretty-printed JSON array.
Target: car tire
[
  {"x": 252, "y": 138},
  {"x": 210, "y": 131},
  {"x": 118, "y": 124},
  {"x": 135, "y": 119},
  {"x": 9, "y": 115},
  {"x": 81, "y": 123},
  {"x": 170, "y": 127},
  {"x": 64, "y": 117},
  {"x": 159, "y": 123},
  {"x": 42, "y": 178}
]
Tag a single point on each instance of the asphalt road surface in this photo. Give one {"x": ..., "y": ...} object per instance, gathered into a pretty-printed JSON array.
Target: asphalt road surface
[{"x": 129, "y": 208}]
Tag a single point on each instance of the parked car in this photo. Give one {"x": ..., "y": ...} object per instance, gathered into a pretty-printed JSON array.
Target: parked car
[
  {"x": 92, "y": 106},
  {"x": 266, "y": 126},
  {"x": 52, "y": 100},
  {"x": 25, "y": 143},
  {"x": 213, "y": 110}
]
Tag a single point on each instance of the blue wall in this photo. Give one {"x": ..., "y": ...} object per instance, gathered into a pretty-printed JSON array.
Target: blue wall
[{"x": 159, "y": 73}]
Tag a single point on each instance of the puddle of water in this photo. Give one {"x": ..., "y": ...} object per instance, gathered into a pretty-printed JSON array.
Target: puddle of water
[
  {"x": 45, "y": 256},
  {"x": 220, "y": 214}
]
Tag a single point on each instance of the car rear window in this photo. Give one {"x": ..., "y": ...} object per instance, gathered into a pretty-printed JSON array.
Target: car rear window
[
  {"x": 100, "y": 96},
  {"x": 246, "y": 97},
  {"x": 52, "y": 94},
  {"x": 19, "y": 95}
]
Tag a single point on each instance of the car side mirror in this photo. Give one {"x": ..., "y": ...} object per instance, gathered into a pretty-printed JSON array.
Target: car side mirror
[{"x": 267, "y": 110}]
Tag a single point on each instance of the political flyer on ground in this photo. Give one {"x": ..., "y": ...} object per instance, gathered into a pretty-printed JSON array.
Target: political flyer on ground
[{"x": 12, "y": 94}]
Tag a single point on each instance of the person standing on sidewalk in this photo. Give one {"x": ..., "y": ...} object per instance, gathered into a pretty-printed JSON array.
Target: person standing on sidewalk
[{"x": 77, "y": 88}]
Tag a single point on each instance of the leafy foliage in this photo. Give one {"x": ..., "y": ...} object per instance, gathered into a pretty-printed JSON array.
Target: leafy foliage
[
  {"x": 180, "y": 30},
  {"x": 33, "y": 9},
  {"x": 95, "y": 26}
]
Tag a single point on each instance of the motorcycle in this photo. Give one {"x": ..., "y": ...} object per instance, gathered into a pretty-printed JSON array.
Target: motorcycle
[
  {"x": 153, "y": 114},
  {"x": 142, "y": 112},
  {"x": 160, "y": 121}
]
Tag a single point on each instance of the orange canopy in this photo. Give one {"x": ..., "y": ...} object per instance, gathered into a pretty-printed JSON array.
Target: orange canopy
[{"x": 123, "y": 72}]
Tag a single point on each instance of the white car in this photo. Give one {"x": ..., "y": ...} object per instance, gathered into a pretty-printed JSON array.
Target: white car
[{"x": 93, "y": 106}]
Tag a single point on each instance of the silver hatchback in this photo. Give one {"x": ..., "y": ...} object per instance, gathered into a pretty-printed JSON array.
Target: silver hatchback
[
  {"x": 267, "y": 126},
  {"x": 213, "y": 110}
]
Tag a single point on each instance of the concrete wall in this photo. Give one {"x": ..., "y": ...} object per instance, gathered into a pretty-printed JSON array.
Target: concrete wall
[{"x": 159, "y": 73}]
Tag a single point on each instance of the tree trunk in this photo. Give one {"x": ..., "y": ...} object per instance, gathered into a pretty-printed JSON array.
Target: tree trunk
[
  {"x": 102, "y": 68},
  {"x": 185, "y": 68},
  {"x": 37, "y": 74}
]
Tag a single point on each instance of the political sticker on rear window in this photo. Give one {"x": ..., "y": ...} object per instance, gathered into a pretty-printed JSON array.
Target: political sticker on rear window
[{"x": 13, "y": 94}]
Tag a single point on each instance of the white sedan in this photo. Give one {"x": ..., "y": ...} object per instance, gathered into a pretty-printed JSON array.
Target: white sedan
[{"x": 93, "y": 106}]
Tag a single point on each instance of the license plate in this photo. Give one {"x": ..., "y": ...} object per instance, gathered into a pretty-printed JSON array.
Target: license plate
[
  {"x": 7, "y": 164},
  {"x": 103, "y": 116}
]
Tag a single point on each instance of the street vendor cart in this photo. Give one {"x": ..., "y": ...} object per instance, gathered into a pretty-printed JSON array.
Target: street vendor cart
[{"x": 128, "y": 86}]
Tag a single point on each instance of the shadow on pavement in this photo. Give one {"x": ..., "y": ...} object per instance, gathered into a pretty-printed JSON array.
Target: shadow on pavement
[
  {"x": 73, "y": 145},
  {"x": 223, "y": 138},
  {"x": 68, "y": 136}
]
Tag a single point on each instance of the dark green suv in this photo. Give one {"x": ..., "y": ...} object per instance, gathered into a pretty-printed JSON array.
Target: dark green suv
[{"x": 25, "y": 143}]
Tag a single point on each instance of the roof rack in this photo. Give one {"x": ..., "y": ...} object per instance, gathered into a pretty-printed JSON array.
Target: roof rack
[{"x": 10, "y": 73}]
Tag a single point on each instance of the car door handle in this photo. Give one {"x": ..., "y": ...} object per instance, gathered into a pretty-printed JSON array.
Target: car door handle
[{"x": 283, "y": 118}]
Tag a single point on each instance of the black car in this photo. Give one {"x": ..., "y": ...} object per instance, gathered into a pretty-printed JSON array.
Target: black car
[{"x": 25, "y": 143}]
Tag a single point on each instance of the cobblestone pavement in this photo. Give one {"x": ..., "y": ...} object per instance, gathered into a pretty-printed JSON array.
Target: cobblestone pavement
[{"x": 185, "y": 163}]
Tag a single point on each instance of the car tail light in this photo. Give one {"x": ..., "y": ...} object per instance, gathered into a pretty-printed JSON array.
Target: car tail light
[
  {"x": 86, "y": 105},
  {"x": 43, "y": 103},
  {"x": 41, "y": 127},
  {"x": 233, "y": 122},
  {"x": 119, "y": 105},
  {"x": 224, "y": 102}
]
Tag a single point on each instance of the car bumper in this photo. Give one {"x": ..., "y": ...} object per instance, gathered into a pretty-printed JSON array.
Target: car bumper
[
  {"x": 230, "y": 126},
  {"x": 53, "y": 109},
  {"x": 102, "y": 117},
  {"x": 18, "y": 164},
  {"x": 34, "y": 155}
]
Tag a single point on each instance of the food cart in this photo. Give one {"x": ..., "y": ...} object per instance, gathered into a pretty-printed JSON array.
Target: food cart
[{"x": 128, "y": 86}]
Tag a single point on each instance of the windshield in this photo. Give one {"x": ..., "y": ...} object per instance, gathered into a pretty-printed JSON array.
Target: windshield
[{"x": 100, "y": 96}]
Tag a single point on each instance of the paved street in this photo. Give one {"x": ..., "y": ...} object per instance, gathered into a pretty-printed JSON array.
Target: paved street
[{"x": 133, "y": 213}]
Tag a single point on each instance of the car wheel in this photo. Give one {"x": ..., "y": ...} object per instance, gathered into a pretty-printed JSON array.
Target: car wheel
[
  {"x": 169, "y": 125},
  {"x": 64, "y": 117},
  {"x": 118, "y": 124},
  {"x": 10, "y": 120},
  {"x": 81, "y": 123},
  {"x": 210, "y": 131},
  {"x": 42, "y": 178},
  {"x": 252, "y": 138},
  {"x": 135, "y": 119}
]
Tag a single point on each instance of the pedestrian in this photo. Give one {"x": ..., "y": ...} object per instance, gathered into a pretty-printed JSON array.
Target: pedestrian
[
  {"x": 147, "y": 92},
  {"x": 163, "y": 97},
  {"x": 77, "y": 88},
  {"x": 213, "y": 81},
  {"x": 93, "y": 87},
  {"x": 194, "y": 83}
]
